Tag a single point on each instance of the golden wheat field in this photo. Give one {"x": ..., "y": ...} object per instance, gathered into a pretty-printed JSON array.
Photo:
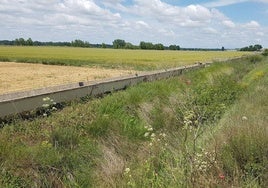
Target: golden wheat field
[{"x": 26, "y": 76}]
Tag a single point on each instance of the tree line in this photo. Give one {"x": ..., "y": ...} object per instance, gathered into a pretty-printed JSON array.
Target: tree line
[
  {"x": 252, "y": 48},
  {"x": 117, "y": 44}
]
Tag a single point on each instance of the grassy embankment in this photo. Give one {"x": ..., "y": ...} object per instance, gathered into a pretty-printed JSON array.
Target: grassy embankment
[
  {"x": 206, "y": 128},
  {"x": 136, "y": 59}
]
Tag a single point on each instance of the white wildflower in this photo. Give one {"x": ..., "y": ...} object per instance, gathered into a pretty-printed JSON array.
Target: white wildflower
[
  {"x": 127, "y": 170},
  {"x": 45, "y": 105},
  {"x": 46, "y": 99},
  {"x": 54, "y": 108},
  {"x": 244, "y": 118},
  {"x": 146, "y": 134}
]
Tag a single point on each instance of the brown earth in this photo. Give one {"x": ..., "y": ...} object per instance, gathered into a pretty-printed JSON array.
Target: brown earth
[{"x": 27, "y": 76}]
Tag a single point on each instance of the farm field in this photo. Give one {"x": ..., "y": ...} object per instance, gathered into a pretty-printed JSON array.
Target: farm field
[
  {"x": 111, "y": 58},
  {"x": 87, "y": 64},
  {"x": 26, "y": 76}
]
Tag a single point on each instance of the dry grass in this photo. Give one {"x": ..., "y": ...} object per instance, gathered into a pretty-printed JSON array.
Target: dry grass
[{"x": 26, "y": 76}]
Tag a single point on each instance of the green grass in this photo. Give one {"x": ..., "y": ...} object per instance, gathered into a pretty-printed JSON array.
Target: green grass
[
  {"x": 137, "y": 59},
  {"x": 186, "y": 131}
]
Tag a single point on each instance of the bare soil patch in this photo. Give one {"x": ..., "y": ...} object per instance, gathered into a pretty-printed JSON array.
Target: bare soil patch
[{"x": 27, "y": 76}]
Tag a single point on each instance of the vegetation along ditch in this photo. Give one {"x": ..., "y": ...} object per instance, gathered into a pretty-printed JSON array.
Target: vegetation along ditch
[{"x": 205, "y": 128}]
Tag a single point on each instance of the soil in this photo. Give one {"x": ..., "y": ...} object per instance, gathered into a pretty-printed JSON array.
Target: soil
[{"x": 27, "y": 76}]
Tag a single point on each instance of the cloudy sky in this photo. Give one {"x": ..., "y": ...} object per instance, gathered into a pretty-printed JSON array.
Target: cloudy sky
[{"x": 188, "y": 23}]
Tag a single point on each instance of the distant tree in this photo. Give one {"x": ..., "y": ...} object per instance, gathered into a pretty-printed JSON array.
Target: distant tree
[
  {"x": 159, "y": 46},
  {"x": 222, "y": 48},
  {"x": 119, "y": 44},
  {"x": 29, "y": 42},
  {"x": 20, "y": 42},
  {"x": 146, "y": 45},
  {"x": 130, "y": 46},
  {"x": 265, "y": 52},
  {"x": 143, "y": 45},
  {"x": 86, "y": 44},
  {"x": 17, "y": 42},
  {"x": 256, "y": 47},
  {"x": 103, "y": 45},
  {"x": 174, "y": 47},
  {"x": 79, "y": 43}
]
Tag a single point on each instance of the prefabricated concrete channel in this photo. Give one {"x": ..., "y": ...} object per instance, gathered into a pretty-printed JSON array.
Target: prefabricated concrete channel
[{"x": 14, "y": 103}]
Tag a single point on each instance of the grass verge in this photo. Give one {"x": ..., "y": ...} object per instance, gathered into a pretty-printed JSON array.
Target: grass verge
[{"x": 187, "y": 131}]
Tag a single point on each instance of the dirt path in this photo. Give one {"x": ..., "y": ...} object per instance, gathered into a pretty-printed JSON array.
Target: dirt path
[{"x": 26, "y": 76}]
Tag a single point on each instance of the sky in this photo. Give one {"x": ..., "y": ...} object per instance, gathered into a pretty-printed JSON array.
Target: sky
[{"x": 187, "y": 23}]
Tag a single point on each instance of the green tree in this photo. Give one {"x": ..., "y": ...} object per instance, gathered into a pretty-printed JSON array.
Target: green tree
[
  {"x": 119, "y": 44},
  {"x": 143, "y": 45},
  {"x": 103, "y": 45},
  {"x": 29, "y": 42},
  {"x": 256, "y": 47},
  {"x": 265, "y": 52},
  {"x": 20, "y": 42},
  {"x": 146, "y": 45},
  {"x": 130, "y": 46},
  {"x": 80, "y": 43},
  {"x": 174, "y": 47},
  {"x": 17, "y": 42},
  {"x": 159, "y": 46}
]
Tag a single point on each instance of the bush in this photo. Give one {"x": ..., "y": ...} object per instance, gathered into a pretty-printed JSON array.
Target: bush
[{"x": 265, "y": 52}]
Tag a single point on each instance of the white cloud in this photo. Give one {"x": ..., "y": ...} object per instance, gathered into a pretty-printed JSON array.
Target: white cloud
[
  {"x": 260, "y": 33},
  {"x": 104, "y": 20},
  {"x": 252, "y": 25},
  {"x": 210, "y": 30},
  {"x": 221, "y": 3},
  {"x": 228, "y": 23},
  {"x": 192, "y": 15},
  {"x": 143, "y": 24}
]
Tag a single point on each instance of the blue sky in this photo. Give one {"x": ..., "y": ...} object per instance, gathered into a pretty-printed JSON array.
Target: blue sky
[{"x": 188, "y": 23}]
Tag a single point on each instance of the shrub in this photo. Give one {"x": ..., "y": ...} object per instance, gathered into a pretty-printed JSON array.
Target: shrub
[{"x": 265, "y": 52}]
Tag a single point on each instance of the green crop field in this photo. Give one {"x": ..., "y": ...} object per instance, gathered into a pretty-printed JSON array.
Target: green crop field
[{"x": 111, "y": 58}]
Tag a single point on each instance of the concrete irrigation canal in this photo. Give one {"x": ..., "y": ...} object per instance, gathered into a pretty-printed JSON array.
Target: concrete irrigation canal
[{"x": 15, "y": 103}]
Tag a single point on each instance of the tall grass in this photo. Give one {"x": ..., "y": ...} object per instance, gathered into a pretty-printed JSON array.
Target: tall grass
[{"x": 187, "y": 131}]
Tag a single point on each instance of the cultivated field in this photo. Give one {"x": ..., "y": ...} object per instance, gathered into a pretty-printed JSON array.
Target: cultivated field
[
  {"x": 26, "y": 76},
  {"x": 93, "y": 64},
  {"x": 129, "y": 59}
]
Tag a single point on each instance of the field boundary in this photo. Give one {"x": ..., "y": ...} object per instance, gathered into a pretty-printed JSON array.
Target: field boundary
[{"x": 18, "y": 102}]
